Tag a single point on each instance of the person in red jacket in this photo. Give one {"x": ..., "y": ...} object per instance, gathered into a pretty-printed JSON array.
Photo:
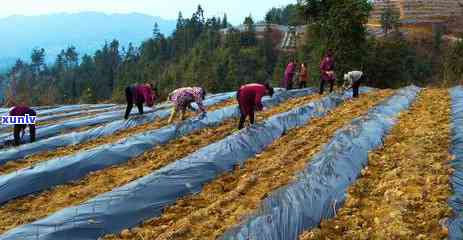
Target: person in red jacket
[
  {"x": 250, "y": 100},
  {"x": 290, "y": 71},
  {"x": 18, "y": 128},
  {"x": 139, "y": 94},
  {"x": 327, "y": 71}
]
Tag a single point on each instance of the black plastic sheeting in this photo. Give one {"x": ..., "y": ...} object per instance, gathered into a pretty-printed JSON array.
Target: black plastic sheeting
[
  {"x": 145, "y": 198},
  {"x": 105, "y": 130},
  {"x": 322, "y": 186},
  {"x": 455, "y": 224},
  {"x": 73, "y": 167}
]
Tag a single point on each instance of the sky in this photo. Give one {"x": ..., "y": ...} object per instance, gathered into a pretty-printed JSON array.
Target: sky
[{"x": 167, "y": 9}]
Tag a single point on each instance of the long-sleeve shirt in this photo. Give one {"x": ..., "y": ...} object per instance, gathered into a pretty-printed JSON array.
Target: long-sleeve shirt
[
  {"x": 143, "y": 93},
  {"x": 352, "y": 77},
  {"x": 182, "y": 97},
  {"x": 327, "y": 65},
  {"x": 289, "y": 73},
  {"x": 303, "y": 75},
  {"x": 22, "y": 111},
  {"x": 250, "y": 97}
]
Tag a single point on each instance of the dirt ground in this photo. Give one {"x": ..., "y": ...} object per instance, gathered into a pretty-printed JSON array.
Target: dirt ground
[
  {"x": 27, "y": 209},
  {"x": 227, "y": 200},
  {"x": 403, "y": 192}
]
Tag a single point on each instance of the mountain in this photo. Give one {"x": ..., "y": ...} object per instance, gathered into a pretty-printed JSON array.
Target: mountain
[{"x": 87, "y": 31}]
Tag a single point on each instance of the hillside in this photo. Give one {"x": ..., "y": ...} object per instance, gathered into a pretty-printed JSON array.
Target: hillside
[{"x": 87, "y": 31}]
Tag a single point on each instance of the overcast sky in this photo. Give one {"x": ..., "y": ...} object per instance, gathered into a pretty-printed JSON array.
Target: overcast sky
[{"x": 168, "y": 9}]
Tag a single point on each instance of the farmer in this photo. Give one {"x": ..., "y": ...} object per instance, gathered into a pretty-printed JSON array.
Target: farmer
[
  {"x": 352, "y": 80},
  {"x": 139, "y": 94},
  {"x": 22, "y": 110},
  {"x": 250, "y": 100},
  {"x": 289, "y": 75},
  {"x": 182, "y": 99},
  {"x": 327, "y": 71},
  {"x": 303, "y": 76}
]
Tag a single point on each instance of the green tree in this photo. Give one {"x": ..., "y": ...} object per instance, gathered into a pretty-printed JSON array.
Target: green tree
[
  {"x": 156, "y": 31},
  {"x": 340, "y": 25},
  {"x": 248, "y": 36},
  {"x": 452, "y": 69},
  {"x": 389, "y": 20},
  {"x": 225, "y": 21},
  {"x": 37, "y": 60}
]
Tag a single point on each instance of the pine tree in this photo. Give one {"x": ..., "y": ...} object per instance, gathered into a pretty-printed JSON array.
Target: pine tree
[
  {"x": 37, "y": 60},
  {"x": 156, "y": 31},
  {"x": 225, "y": 21}
]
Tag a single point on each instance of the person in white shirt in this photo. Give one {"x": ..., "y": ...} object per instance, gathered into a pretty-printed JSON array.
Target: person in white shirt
[{"x": 352, "y": 80}]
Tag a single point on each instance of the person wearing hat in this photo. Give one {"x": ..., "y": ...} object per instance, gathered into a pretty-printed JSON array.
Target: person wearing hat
[
  {"x": 250, "y": 100},
  {"x": 182, "y": 99}
]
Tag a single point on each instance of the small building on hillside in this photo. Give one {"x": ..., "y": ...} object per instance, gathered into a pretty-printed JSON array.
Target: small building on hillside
[{"x": 283, "y": 37}]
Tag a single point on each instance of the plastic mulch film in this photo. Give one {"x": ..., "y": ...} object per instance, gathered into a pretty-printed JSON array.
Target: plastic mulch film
[
  {"x": 321, "y": 187},
  {"x": 73, "y": 167},
  {"x": 77, "y": 113},
  {"x": 70, "y": 108},
  {"x": 38, "y": 108},
  {"x": 59, "y": 116},
  {"x": 456, "y": 200},
  {"x": 56, "y": 129},
  {"x": 74, "y": 112},
  {"x": 73, "y": 138},
  {"x": 145, "y": 198}
]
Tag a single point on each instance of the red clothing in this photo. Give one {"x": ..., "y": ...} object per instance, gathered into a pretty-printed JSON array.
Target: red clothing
[
  {"x": 250, "y": 98},
  {"x": 22, "y": 111},
  {"x": 143, "y": 93},
  {"x": 327, "y": 65},
  {"x": 289, "y": 74},
  {"x": 303, "y": 75}
]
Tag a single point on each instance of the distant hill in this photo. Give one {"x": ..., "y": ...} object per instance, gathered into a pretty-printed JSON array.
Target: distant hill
[{"x": 87, "y": 31}]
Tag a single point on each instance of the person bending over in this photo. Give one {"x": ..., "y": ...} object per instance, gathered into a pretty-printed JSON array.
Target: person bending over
[
  {"x": 182, "y": 99},
  {"x": 353, "y": 79},
  {"x": 250, "y": 100},
  {"x": 18, "y": 128},
  {"x": 139, "y": 94}
]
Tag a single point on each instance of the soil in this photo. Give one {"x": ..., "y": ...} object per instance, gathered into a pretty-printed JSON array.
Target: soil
[
  {"x": 33, "y": 207},
  {"x": 403, "y": 192}
]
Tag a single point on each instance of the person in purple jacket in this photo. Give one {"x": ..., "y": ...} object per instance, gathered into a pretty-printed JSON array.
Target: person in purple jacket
[
  {"x": 327, "y": 74},
  {"x": 139, "y": 94},
  {"x": 22, "y": 110},
  {"x": 289, "y": 75}
]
